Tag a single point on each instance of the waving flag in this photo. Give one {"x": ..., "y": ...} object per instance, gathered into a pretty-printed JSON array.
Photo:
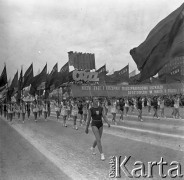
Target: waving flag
[
  {"x": 3, "y": 77},
  {"x": 164, "y": 42},
  {"x": 20, "y": 87},
  {"x": 52, "y": 77},
  {"x": 14, "y": 85},
  {"x": 102, "y": 73},
  {"x": 38, "y": 81},
  {"x": 133, "y": 73},
  {"x": 63, "y": 75},
  {"x": 28, "y": 77}
]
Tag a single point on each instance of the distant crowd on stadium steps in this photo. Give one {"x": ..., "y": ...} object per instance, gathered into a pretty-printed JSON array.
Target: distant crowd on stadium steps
[{"x": 73, "y": 108}]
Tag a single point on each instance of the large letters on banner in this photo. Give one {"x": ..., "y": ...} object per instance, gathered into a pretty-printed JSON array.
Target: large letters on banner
[
  {"x": 129, "y": 90},
  {"x": 85, "y": 76}
]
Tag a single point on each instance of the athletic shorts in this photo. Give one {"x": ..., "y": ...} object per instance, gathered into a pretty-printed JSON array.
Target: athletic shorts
[
  {"x": 80, "y": 112},
  {"x": 98, "y": 124}
]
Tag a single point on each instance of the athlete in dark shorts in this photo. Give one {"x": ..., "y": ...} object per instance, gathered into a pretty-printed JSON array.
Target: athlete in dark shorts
[
  {"x": 80, "y": 111},
  {"x": 96, "y": 113},
  {"x": 139, "y": 108},
  {"x": 121, "y": 108}
]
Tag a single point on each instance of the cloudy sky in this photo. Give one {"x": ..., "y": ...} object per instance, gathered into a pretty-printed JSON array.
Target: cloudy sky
[{"x": 41, "y": 31}]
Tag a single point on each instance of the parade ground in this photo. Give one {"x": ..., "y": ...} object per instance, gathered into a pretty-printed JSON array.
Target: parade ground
[
  {"x": 91, "y": 90},
  {"x": 47, "y": 150}
]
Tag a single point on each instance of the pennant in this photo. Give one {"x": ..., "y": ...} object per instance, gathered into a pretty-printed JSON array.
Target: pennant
[
  {"x": 63, "y": 75},
  {"x": 133, "y": 73},
  {"x": 65, "y": 68},
  {"x": 28, "y": 77},
  {"x": 14, "y": 83},
  {"x": 19, "y": 87},
  {"x": 174, "y": 75},
  {"x": 122, "y": 75},
  {"x": 102, "y": 70},
  {"x": 3, "y": 88},
  {"x": 3, "y": 77},
  {"x": 102, "y": 73},
  {"x": 52, "y": 77},
  {"x": 37, "y": 80},
  {"x": 3, "y": 92}
]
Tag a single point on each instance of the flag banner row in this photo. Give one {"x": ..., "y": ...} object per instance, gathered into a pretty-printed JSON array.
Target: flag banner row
[{"x": 129, "y": 90}]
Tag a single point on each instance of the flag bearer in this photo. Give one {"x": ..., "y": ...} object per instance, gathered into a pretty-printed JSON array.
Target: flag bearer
[
  {"x": 45, "y": 110},
  {"x": 10, "y": 112},
  {"x": 23, "y": 110},
  {"x": 74, "y": 113},
  {"x": 35, "y": 110},
  {"x": 64, "y": 113},
  {"x": 57, "y": 110}
]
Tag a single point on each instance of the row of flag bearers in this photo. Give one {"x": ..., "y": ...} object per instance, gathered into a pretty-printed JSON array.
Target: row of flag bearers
[{"x": 65, "y": 109}]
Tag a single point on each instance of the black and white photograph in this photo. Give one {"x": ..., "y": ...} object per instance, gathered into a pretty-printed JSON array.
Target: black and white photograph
[{"x": 91, "y": 89}]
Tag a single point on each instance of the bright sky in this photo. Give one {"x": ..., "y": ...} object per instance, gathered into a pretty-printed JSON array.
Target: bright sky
[{"x": 41, "y": 31}]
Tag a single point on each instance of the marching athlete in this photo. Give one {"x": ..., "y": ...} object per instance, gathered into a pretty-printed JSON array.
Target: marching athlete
[
  {"x": 85, "y": 112},
  {"x": 45, "y": 110},
  {"x": 57, "y": 110},
  {"x": 39, "y": 109},
  {"x": 64, "y": 113},
  {"x": 126, "y": 106},
  {"x": 114, "y": 110},
  {"x": 121, "y": 108},
  {"x": 139, "y": 108},
  {"x": 10, "y": 112},
  {"x": 176, "y": 107},
  {"x": 28, "y": 109},
  {"x": 162, "y": 107},
  {"x": 149, "y": 105},
  {"x": 96, "y": 113},
  {"x": 74, "y": 113},
  {"x": 80, "y": 111},
  {"x": 23, "y": 110},
  {"x": 35, "y": 110},
  {"x": 155, "y": 108}
]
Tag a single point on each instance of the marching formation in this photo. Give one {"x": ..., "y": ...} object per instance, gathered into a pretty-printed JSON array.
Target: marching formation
[
  {"x": 86, "y": 111},
  {"x": 79, "y": 108}
]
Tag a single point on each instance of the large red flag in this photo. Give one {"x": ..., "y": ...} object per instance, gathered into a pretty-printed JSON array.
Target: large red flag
[
  {"x": 3, "y": 77},
  {"x": 19, "y": 94},
  {"x": 102, "y": 73},
  {"x": 39, "y": 81},
  {"x": 28, "y": 76},
  {"x": 14, "y": 86},
  {"x": 164, "y": 42},
  {"x": 52, "y": 77}
]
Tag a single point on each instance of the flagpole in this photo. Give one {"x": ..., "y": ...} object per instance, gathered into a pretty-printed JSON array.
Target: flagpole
[
  {"x": 45, "y": 84},
  {"x": 105, "y": 82},
  {"x": 21, "y": 90},
  {"x": 58, "y": 96},
  {"x": 45, "y": 87},
  {"x": 39, "y": 98}
]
